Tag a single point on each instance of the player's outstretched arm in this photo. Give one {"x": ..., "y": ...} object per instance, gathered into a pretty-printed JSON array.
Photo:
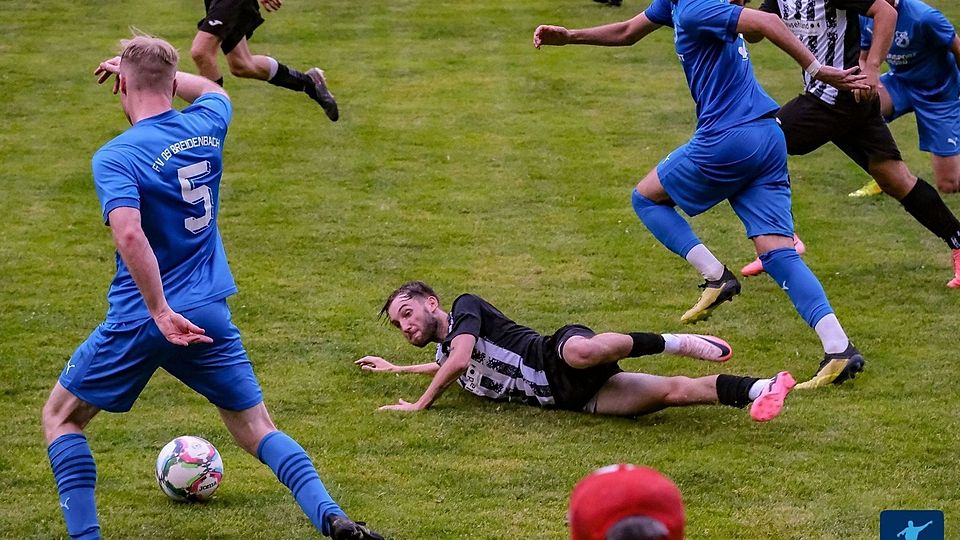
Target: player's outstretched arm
[
  {"x": 611, "y": 35},
  {"x": 457, "y": 362},
  {"x": 771, "y": 27},
  {"x": 137, "y": 254},
  {"x": 379, "y": 365},
  {"x": 190, "y": 87}
]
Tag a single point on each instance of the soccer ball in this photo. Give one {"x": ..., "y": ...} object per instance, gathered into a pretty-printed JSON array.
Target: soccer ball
[{"x": 189, "y": 469}]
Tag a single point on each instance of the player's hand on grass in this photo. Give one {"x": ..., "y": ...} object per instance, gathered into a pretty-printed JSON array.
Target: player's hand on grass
[
  {"x": 178, "y": 330},
  {"x": 106, "y": 69},
  {"x": 843, "y": 79},
  {"x": 401, "y": 406},
  {"x": 375, "y": 363},
  {"x": 271, "y": 5},
  {"x": 550, "y": 35}
]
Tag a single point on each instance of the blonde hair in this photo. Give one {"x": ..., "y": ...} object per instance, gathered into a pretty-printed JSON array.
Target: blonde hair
[{"x": 149, "y": 63}]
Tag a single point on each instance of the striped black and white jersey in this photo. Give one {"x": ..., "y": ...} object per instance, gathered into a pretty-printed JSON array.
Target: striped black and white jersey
[
  {"x": 829, "y": 28},
  {"x": 507, "y": 363}
]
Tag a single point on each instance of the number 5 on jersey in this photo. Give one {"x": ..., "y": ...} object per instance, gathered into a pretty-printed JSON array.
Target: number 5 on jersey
[{"x": 194, "y": 195}]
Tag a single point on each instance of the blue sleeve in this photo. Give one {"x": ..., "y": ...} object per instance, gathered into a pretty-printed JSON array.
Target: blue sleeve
[
  {"x": 866, "y": 32},
  {"x": 216, "y": 106},
  {"x": 940, "y": 30},
  {"x": 659, "y": 13},
  {"x": 114, "y": 181},
  {"x": 711, "y": 18}
]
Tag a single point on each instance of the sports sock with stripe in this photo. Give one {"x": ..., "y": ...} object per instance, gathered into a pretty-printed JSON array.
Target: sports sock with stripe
[
  {"x": 293, "y": 468},
  {"x": 76, "y": 476}
]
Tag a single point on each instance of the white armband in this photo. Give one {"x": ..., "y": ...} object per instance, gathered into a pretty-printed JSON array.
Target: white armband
[{"x": 813, "y": 68}]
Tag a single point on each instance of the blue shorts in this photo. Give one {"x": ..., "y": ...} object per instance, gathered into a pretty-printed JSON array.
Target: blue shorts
[
  {"x": 746, "y": 165},
  {"x": 938, "y": 121},
  {"x": 111, "y": 368}
]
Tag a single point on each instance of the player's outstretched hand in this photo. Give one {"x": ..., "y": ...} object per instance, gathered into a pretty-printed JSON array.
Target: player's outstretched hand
[
  {"x": 843, "y": 79},
  {"x": 550, "y": 35},
  {"x": 107, "y": 68},
  {"x": 401, "y": 406},
  {"x": 271, "y": 5},
  {"x": 179, "y": 331},
  {"x": 375, "y": 363}
]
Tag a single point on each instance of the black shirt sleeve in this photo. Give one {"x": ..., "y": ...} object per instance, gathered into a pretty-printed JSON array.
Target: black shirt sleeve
[
  {"x": 771, "y": 6},
  {"x": 467, "y": 314},
  {"x": 860, "y": 7}
]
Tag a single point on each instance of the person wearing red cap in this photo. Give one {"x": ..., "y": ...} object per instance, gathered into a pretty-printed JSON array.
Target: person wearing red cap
[{"x": 626, "y": 502}]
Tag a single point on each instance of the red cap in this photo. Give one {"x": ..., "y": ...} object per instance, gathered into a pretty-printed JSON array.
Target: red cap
[{"x": 612, "y": 493}]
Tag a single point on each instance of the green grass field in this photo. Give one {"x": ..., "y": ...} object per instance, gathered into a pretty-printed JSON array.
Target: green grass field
[{"x": 468, "y": 159}]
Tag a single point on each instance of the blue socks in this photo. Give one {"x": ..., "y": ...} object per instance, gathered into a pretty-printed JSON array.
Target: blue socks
[
  {"x": 803, "y": 288},
  {"x": 76, "y": 476},
  {"x": 293, "y": 467},
  {"x": 665, "y": 224}
]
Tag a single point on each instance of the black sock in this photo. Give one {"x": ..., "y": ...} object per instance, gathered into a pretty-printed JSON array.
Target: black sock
[
  {"x": 734, "y": 391},
  {"x": 925, "y": 205},
  {"x": 291, "y": 78},
  {"x": 645, "y": 343},
  {"x": 219, "y": 81}
]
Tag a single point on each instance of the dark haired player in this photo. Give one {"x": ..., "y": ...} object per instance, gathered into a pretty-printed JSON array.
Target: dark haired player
[
  {"x": 737, "y": 154},
  {"x": 491, "y": 356},
  {"x": 852, "y": 121},
  {"x": 228, "y": 25}
]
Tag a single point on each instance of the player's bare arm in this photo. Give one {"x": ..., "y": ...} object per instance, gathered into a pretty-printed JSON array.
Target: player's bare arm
[
  {"x": 457, "y": 362},
  {"x": 134, "y": 248},
  {"x": 618, "y": 34},
  {"x": 187, "y": 86},
  {"x": 772, "y": 28},
  {"x": 884, "y": 18},
  {"x": 377, "y": 364}
]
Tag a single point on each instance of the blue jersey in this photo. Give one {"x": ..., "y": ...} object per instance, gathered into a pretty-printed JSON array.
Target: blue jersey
[
  {"x": 715, "y": 61},
  {"x": 169, "y": 167},
  {"x": 920, "y": 53}
]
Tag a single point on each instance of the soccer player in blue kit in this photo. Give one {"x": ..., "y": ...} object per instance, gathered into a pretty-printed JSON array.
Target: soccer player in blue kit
[
  {"x": 159, "y": 185},
  {"x": 737, "y": 153},
  {"x": 924, "y": 79}
]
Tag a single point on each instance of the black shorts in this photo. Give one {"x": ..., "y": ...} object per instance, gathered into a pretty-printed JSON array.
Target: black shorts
[
  {"x": 230, "y": 20},
  {"x": 572, "y": 388},
  {"x": 858, "y": 129}
]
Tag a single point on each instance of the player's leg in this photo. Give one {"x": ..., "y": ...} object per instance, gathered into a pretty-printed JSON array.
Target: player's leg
[
  {"x": 655, "y": 208},
  {"x": 204, "y": 52},
  {"x": 585, "y": 351},
  {"x": 632, "y": 394},
  {"x": 938, "y": 124},
  {"x": 256, "y": 433},
  {"x": 265, "y": 68},
  {"x": 64, "y": 417},
  {"x": 946, "y": 172},
  {"x": 108, "y": 371},
  {"x": 893, "y": 104},
  {"x": 221, "y": 372},
  {"x": 764, "y": 207}
]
